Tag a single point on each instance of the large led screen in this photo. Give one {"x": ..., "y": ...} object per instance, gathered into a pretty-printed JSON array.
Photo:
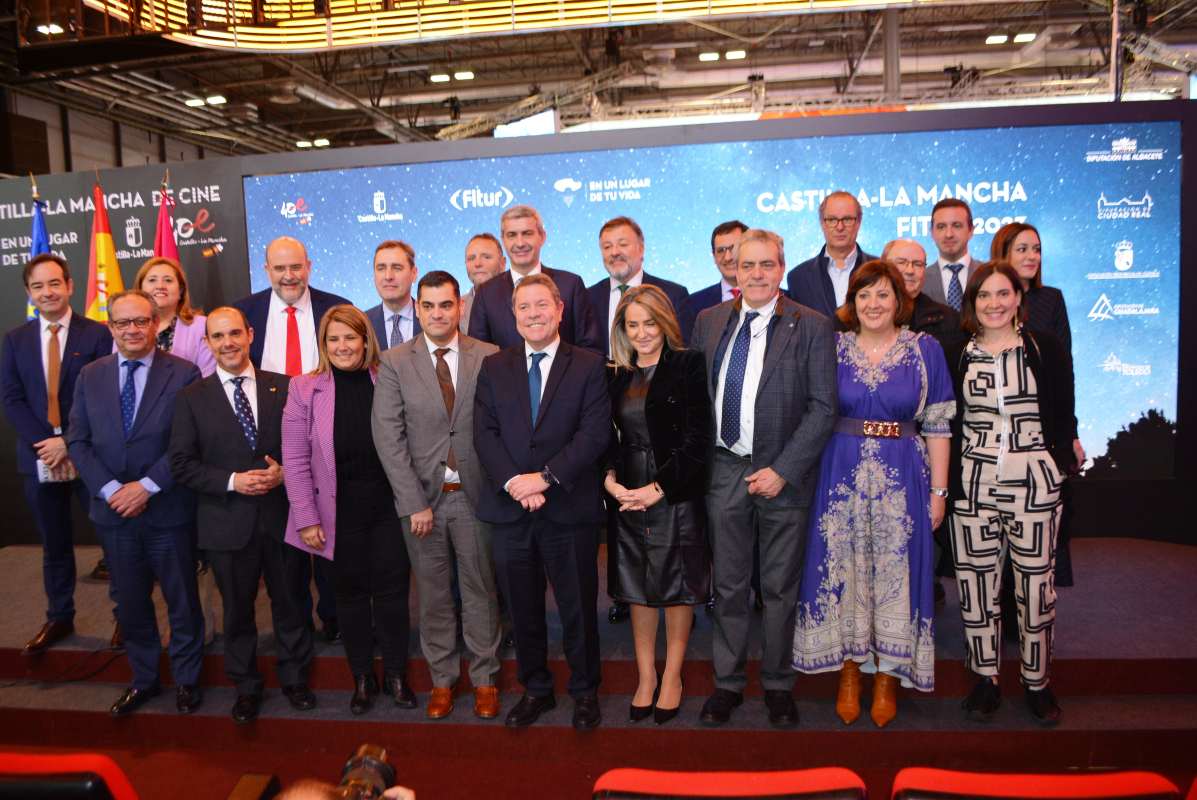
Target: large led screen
[{"x": 1106, "y": 199}]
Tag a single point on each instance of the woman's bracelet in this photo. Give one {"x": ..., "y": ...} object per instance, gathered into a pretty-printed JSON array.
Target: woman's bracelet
[{"x": 939, "y": 491}]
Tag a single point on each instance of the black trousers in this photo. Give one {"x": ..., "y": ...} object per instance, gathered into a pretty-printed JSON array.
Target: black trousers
[
  {"x": 372, "y": 576},
  {"x": 238, "y": 573},
  {"x": 528, "y": 552}
]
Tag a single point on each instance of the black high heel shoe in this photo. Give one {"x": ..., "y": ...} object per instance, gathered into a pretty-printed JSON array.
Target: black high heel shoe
[
  {"x": 637, "y": 713},
  {"x": 663, "y": 715}
]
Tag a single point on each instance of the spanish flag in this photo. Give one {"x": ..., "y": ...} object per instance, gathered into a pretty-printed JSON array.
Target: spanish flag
[{"x": 103, "y": 271}]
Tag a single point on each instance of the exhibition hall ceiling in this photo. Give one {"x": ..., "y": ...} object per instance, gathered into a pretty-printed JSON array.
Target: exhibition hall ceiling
[{"x": 243, "y": 92}]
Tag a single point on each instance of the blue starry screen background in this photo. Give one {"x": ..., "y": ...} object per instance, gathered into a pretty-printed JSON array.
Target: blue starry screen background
[{"x": 1106, "y": 200}]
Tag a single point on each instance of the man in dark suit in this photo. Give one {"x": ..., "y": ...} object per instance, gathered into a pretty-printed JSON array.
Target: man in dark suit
[
  {"x": 772, "y": 369},
  {"x": 226, "y": 446},
  {"x": 929, "y": 316},
  {"x": 118, "y": 438},
  {"x": 621, "y": 242},
  {"x": 287, "y": 318},
  {"x": 951, "y": 229},
  {"x": 394, "y": 319},
  {"x": 724, "y": 239},
  {"x": 542, "y": 421},
  {"x": 822, "y": 282},
  {"x": 484, "y": 260},
  {"x": 41, "y": 360},
  {"x": 491, "y": 318}
]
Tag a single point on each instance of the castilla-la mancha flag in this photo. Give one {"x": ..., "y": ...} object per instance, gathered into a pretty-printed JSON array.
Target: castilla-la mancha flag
[{"x": 103, "y": 271}]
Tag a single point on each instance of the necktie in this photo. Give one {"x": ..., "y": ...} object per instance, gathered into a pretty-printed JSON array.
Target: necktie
[
  {"x": 955, "y": 293},
  {"x": 53, "y": 373},
  {"x": 623, "y": 287},
  {"x": 735, "y": 292},
  {"x": 129, "y": 396},
  {"x": 534, "y": 384},
  {"x": 445, "y": 379},
  {"x": 245, "y": 413},
  {"x": 733, "y": 385},
  {"x": 396, "y": 334},
  {"x": 294, "y": 356}
]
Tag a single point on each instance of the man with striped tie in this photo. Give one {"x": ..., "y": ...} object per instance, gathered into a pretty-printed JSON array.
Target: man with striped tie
[
  {"x": 951, "y": 228},
  {"x": 394, "y": 319}
]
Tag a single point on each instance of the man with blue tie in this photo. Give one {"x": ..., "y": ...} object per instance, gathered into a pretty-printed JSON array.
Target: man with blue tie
[
  {"x": 772, "y": 369},
  {"x": 822, "y": 282},
  {"x": 40, "y": 363},
  {"x": 145, "y": 519},
  {"x": 542, "y": 422},
  {"x": 394, "y": 319},
  {"x": 951, "y": 228},
  {"x": 724, "y": 239}
]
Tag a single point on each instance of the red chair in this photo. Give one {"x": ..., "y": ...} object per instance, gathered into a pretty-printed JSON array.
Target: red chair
[
  {"x": 918, "y": 783},
  {"x": 808, "y": 784},
  {"x": 66, "y": 775}
]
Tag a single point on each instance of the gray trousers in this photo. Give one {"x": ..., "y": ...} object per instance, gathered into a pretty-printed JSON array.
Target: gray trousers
[
  {"x": 456, "y": 532},
  {"x": 736, "y": 521}
]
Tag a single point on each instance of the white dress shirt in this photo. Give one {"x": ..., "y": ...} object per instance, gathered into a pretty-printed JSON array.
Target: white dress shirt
[
  {"x": 274, "y": 349},
  {"x": 616, "y": 296},
  {"x": 516, "y": 277},
  {"x": 945, "y": 274},
  {"x": 407, "y": 322},
  {"x": 752, "y": 375},
  {"x": 451, "y": 475},
  {"x": 65, "y": 322},
  {"x": 249, "y": 385},
  {"x": 841, "y": 277}
]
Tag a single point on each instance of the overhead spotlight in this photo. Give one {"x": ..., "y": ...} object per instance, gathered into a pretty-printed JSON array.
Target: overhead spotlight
[
  {"x": 816, "y": 42},
  {"x": 302, "y": 143},
  {"x": 321, "y": 142},
  {"x": 735, "y": 55},
  {"x": 53, "y": 29},
  {"x": 439, "y": 77},
  {"x": 997, "y": 38},
  {"x": 193, "y": 102},
  {"x": 708, "y": 56},
  {"x": 216, "y": 100},
  {"x": 1023, "y": 38},
  {"x": 464, "y": 75}
]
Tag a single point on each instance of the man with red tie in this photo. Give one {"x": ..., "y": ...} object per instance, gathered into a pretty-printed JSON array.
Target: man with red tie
[
  {"x": 724, "y": 239},
  {"x": 285, "y": 319}
]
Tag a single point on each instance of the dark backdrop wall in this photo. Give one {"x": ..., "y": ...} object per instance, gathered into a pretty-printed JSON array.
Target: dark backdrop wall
[{"x": 210, "y": 225}]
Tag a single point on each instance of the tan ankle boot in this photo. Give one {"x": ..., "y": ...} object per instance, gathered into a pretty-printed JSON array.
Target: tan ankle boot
[
  {"x": 885, "y": 699},
  {"x": 847, "y": 699}
]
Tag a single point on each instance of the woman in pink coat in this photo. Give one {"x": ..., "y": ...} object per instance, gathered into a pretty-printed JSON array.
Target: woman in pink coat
[
  {"x": 342, "y": 508},
  {"x": 180, "y": 327}
]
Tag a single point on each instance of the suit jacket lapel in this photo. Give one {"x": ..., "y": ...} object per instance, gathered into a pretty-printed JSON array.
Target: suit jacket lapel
[
  {"x": 467, "y": 371},
  {"x": 425, "y": 365},
  {"x": 74, "y": 334},
  {"x": 154, "y": 381},
  {"x": 556, "y": 375},
  {"x": 269, "y": 413},
  {"x": 783, "y": 325},
  {"x": 715, "y": 361},
  {"x": 323, "y": 413}
]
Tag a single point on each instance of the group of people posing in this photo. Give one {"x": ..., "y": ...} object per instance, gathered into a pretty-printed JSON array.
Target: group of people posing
[{"x": 802, "y": 445}]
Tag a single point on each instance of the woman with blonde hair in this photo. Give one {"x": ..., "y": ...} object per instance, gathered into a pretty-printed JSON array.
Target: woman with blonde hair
[
  {"x": 180, "y": 327},
  {"x": 656, "y": 478},
  {"x": 342, "y": 508}
]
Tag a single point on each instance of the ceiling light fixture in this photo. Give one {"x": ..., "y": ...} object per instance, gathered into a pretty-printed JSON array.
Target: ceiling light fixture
[
  {"x": 52, "y": 29},
  {"x": 997, "y": 38},
  {"x": 708, "y": 56},
  {"x": 216, "y": 100},
  {"x": 321, "y": 142},
  {"x": 1023, "y": 38},
  {"x": 464, "y": 75},
  {"x": 193, "y": 102},
  {"x": 439, "y": 77},
  {"x": 735, "y": 55},
  {"x": 303, "y": 143}
]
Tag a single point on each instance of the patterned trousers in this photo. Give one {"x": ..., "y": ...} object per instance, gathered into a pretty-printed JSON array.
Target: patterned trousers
[{"x": 1000, "y": 520}]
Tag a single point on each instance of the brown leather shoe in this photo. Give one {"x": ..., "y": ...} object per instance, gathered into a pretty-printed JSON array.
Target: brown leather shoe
[
  {"x": 51, "y": 633},
  {"x": 118, "y": 638},
  {"x": 440, "y": 703},
  {"x": 885, "y": 699},
  {"x": 486, "y": 702},
  {"x": 847, "y": 699}
]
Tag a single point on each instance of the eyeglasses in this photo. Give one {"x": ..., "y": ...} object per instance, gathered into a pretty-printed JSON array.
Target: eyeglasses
[
  {"x": 835, "y": 222},
  {"x": 136, "y": 322},
  {"x": 906, "y": 262},
  {"x": 725, "y": 250}
]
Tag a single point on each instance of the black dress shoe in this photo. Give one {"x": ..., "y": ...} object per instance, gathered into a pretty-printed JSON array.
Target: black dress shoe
[
  {"x": 529, "y": 709},
  {"x": 332, "y": 631},
  {"x": 395, "y": 684},
  {"x": 618, "y": 612},
  {"x": 587, "y": 715},
  {"x": 783, "y": 712},
  {"x": 246, "y": 708},
  {"x": 1043, "y": 706},
  {"x": 100, "y": 571},
  {"x": 300, "y": 697},
  {"x": 188, "y": 698},
  {"x": 718, "y": 707},
  {"x": 983, "y": 701},
  {"x": 365, "y": 689},
  {"x": 134, "y": 699},
  {"x": 51, "y": 633}
]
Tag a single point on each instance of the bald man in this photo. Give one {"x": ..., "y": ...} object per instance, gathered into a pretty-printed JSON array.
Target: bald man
[{"x": 930, "y": 316}]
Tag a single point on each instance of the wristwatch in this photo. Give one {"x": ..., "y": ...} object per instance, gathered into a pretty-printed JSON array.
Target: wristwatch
[
  {"x": 939, "y": 492},
  {"x": 547, "y": 476}
]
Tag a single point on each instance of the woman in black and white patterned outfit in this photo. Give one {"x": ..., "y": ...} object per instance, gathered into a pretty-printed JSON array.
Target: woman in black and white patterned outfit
[{"x": 1011, "y": 447}]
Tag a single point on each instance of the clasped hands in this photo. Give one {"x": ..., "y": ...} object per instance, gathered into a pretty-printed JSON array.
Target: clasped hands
[
  {"x": 53, "y": 453},
  {"x": 528, "y": 490},
  {"x": 632, "y": 499},
  {"x": 258, "y": 481}
]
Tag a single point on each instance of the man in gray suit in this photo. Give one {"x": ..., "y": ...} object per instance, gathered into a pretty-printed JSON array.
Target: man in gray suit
[
  {"x": 424, "y": 432},
  {"x": 772, "y": 368},
  {"x": 951, "y": 228}
]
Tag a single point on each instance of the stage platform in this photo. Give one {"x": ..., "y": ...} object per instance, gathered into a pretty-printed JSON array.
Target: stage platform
[{"x": 1125, "y": 670}]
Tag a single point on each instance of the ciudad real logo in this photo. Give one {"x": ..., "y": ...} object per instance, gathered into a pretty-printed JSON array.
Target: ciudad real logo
[
  {"x": 1124, "y": 208},
  {"x": 477, "y": 197}
]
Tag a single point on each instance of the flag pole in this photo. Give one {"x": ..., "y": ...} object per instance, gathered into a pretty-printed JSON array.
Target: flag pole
[{"x": 33, "y": 180}]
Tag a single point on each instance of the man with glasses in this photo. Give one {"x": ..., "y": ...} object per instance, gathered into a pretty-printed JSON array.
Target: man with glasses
[
  {"x": 929, "y": 316},
  {"x": 822, "y": 282},
  {"x": 118, "y": 438}
]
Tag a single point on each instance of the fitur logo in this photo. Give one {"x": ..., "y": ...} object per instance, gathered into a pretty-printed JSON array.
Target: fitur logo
[{"x": 476, "y": 197}]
